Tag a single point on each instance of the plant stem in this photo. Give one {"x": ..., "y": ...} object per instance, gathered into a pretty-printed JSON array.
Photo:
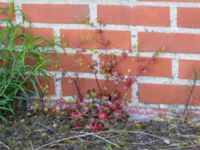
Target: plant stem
[
  {"x": 79, "y": 92},
  {"x": 191, "y": 92},
  {"x": 96, "y": 79}
]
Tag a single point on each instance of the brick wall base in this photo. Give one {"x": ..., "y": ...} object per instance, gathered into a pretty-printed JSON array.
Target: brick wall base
[{"x": 171, "y": 24}]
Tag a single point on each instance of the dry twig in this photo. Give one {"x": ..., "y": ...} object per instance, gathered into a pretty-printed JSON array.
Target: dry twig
[
  {"x": 97, "y": 135},
  {"x": 4, "y": 145},
  {"x": 31, "y": 145},
  {"x": 189, "y": 99},
  {"x": 75, "y": 137}
]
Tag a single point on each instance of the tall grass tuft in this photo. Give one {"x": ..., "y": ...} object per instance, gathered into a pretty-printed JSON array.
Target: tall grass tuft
[{"x": 17, "y": 45}]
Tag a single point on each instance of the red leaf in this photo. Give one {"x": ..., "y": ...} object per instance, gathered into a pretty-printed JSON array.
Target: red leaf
[
  {"x": 102, "y": 116},
  {"x": 78, "y": 126},
  {"x": 94, "y": 126},
  {"x": 76, "y": 116}
]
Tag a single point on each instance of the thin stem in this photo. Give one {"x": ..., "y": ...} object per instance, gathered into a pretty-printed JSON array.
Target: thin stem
[
  {"x": 191, "y": 93},
  {"x": 78, "y": 90},
  {"x": 98, "y": 83}
]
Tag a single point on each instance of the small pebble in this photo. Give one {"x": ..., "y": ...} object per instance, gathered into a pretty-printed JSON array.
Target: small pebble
[
  {"x": 28, "y": 114},
  {"x": 55, "y": 125},
  {"x": 22, "y": 120},
  {"x": 166, "y": 141},
  {"x": 43, "y": 134}
]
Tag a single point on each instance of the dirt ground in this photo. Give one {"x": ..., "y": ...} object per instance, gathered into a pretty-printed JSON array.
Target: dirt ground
[{"x": 36, "y": 131}]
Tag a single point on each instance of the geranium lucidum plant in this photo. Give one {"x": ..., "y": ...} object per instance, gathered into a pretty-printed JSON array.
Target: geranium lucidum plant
[
  {"x": 17, "y": 46},
  {"x": 99, "y": 106}
]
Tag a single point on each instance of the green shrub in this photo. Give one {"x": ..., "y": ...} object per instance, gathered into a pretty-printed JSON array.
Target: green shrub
[{"x": 17, "y": 45}]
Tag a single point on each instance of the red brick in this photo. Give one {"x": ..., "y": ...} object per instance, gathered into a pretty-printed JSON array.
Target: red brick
[
  {"x": 173, "y": 42},
  {"x": 137, "y": 15},
  {"x": 66, "y": 62},
  {"x": 69, "y": 89},
  {"x": 47, "y": 84},
  {"x": 187, "y": 68},
  {"x": 93, "y": 39},
  {"x": 70, "y": 62},
  {"x": 55, "y": 13},
  {"x": 50, "y": 82},
  {"x": 161, "y": 67},
  {"x": 46, "y": 33},
  {"x": 43, "y": 33},
  {"x": 188, "y": 17},
  {"x": 5, "y": 11},
  {"x": 167, "y": 94}
]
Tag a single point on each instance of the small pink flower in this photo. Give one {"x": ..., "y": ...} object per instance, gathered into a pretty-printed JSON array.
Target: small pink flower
[
  {"x": 76, "y": 116},
  {"x": 117, "y": 114},
  {"x": 94, "y": 126},
  {"x": 102, "y": 116}
]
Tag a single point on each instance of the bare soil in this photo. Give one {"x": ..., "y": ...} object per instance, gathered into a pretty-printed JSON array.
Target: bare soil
[{"x": 28, "y": 130}]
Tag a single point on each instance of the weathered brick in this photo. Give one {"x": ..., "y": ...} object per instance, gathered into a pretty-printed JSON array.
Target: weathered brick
[
  {"x": 56, "y": 13},
  {"x": 168, "y": 94},
  {"x": 188, "y": 17},
  {"x": 173, "y": 42},
  {"x": 96, "y": 39},
  {"x": 141, "y": 66},
  {"x": 189, "y": 68}
]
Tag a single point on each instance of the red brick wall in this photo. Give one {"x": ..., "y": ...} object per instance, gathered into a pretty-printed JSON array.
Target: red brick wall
[{"x": 173, "y": 24}]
